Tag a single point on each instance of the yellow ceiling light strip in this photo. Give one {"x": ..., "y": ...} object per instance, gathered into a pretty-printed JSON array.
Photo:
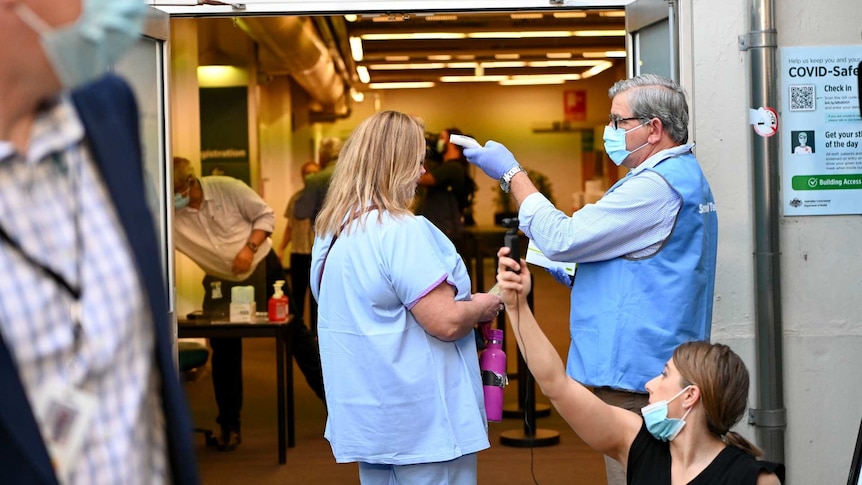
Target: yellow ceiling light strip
[
  {"x": 604, "y": 65},
  {"x": 525, "y": 34},
  {"x": 415, "y": 36},
  {"x": 406, "y": 85},
  {"x": 604, "y": 54},
  {"x": 570, "y": 15}
]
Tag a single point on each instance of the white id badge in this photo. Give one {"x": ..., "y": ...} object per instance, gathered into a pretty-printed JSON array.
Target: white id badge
[
  {"x": 65, "y": 414},
  {"x": 215, "y": 286}
]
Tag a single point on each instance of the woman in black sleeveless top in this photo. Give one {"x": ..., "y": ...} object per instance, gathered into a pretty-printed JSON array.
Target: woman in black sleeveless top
[{"x": 682, "y": 437}]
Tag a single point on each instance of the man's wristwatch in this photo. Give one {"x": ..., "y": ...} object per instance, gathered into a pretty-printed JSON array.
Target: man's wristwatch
[
  {"x": 506, "y": 179},
  {"x": 251, "y": 246}
]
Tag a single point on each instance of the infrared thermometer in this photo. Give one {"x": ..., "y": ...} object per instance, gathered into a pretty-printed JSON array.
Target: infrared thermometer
[{"x": 464, "y": 141}]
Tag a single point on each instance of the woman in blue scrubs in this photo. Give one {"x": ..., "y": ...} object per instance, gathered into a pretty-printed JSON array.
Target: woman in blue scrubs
[{"x": 400, "y": 367}]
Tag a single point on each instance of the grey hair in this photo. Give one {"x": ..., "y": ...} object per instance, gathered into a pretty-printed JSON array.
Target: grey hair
[
  {"x": 654, "y": 96},
  {"x": 330, "y": 149}
]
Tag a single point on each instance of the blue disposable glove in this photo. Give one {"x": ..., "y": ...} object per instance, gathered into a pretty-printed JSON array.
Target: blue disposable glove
[
  {"x": 561, "y": 276},
  {"x": 494, "y": 159}
]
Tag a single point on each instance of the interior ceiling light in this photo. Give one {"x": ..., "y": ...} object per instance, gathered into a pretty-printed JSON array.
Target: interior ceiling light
[
  {"x": 411, "y": 66},
  {"x": 565, "y": 63},
  {"x": 392, "y": 18},
  {"x": 441, "y": 18},
  {"x": 520, "y": 35},
  {"x": 564, "y": 77},
  {"x": 462, "y": 65},
  {"x": 599, "y": 33},
  {"x": 507, "y": 56},
  {"x": 531, "y": 82},
  {"x": 526, "y": 16},
  {"x": 466, "y": 65},
  {"x": 472, "y": 79},
  {"x": 356, "y": 48},
  {"x": 604, "y": 54},
  {"x": 351, "y": 17},
  {"x": 514, "y": 80},
  {"x": 559, "y": 55},
  {"x": 415, "y": 36},
  {"x": 604, "y": 65},
  {"x": 440, "y": 57},
  {"x": 570, "y": 15},
  {"x": 364, "y": 76},
  {"x": 407, "y": 85},
  {"x": 396, "y": 58},
  {"x": 613, "y": 13},
  {"x": 502, "y": 64},
  {"x": 465, "y": 57}
]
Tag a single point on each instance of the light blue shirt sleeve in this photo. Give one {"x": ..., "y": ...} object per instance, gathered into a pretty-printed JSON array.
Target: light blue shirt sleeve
[{"x": 638, "y": 215}]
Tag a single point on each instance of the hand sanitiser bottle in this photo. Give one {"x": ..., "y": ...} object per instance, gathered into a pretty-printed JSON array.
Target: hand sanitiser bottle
[
  {"x": 277, "y": 311},
  {"x": 492, "y": 363}
]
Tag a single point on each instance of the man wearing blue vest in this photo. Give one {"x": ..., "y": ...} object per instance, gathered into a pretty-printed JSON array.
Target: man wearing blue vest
[{"x": 646, "y": 250}]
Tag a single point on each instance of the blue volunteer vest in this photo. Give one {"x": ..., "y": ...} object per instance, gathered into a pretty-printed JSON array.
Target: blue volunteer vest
[{"x": 628, "y": 315}]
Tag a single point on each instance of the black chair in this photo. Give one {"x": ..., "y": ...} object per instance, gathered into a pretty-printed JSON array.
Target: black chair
[{"x": 193, "y": 357}]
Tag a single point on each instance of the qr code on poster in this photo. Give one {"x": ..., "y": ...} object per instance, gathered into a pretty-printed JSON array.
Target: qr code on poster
[{"x": 802, "y": 98}]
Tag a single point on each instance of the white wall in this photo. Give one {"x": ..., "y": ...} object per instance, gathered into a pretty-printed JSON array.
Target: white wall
[{"x": 820, "y": 277}]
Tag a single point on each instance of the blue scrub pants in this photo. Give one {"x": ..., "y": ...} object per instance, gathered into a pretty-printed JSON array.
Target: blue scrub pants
[{"x": 460, "y": 471}]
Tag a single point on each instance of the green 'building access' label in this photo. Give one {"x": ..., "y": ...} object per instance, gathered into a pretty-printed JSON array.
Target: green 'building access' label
[{"x": 827, "y": 182}]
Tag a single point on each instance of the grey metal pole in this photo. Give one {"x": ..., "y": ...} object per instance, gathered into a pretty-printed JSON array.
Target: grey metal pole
[{"x": 769, "y": 416}]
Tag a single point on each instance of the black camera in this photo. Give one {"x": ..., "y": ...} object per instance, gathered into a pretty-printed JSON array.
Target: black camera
[{"x": 512, "y": 240}]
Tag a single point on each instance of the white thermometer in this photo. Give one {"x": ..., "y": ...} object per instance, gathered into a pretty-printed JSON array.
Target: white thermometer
[{"x": 464, "y": 141}]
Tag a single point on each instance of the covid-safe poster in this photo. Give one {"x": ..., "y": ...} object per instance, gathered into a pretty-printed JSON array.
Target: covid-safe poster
[{"x": 820, "y": 130}]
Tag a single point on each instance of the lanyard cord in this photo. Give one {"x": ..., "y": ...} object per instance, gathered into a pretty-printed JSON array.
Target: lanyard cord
[
  {"x": 74, "y": 290},
  {"x": 334, "y": 237}
]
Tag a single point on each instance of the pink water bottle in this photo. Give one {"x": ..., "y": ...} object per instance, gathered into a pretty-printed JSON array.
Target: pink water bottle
[{"x": 492, "y": 363}]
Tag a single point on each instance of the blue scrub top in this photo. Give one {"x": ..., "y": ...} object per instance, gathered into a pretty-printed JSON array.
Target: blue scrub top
[{"x": 395, "y": 394}]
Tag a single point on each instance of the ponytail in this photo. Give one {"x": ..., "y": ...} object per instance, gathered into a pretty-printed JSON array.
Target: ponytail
[{"x": 733, "y": 438}]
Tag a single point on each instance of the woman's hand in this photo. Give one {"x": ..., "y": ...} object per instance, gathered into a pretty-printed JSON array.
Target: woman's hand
[
  {"x": 490, "y": 305},
  {"x": 514, "y": 286}
]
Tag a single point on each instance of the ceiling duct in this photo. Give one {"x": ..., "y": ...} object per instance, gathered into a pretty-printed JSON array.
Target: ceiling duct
[{"x": 290, "y": 45}]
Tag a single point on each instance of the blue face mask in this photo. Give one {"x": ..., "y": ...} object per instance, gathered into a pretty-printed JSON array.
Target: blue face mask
[
  {"x": 83, "y": 50},
  {"x": 615, "y": 143},
  {"x": 181, "y": 201},
  {"x": 657, "y": 422}
]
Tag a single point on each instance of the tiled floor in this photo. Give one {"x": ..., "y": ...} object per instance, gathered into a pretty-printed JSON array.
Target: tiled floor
[{"x": 311, "y": 461}]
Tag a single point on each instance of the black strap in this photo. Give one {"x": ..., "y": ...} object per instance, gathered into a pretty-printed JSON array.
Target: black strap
[
  {"x": 334, "y": 237},
  {"x": 491, "y": 378},
  {"x": 75, "y": 291}
]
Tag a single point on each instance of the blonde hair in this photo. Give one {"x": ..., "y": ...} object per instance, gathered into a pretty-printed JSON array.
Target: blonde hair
[
  {"x": 723, "y": 381},
  {"x": 378, "y": 166}
]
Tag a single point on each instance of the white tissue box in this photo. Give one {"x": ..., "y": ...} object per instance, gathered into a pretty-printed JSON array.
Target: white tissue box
[{"x": 242, "y": 312}]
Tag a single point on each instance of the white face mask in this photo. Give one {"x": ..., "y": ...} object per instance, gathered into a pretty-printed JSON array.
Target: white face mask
[{"x": 83, "y": 50}]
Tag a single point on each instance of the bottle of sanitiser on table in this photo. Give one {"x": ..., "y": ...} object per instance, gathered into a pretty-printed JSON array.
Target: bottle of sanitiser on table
[{"x": 277, "y": 311}]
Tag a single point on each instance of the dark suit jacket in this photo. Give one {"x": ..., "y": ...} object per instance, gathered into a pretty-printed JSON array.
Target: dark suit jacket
[{"x": 110, "y": 116}]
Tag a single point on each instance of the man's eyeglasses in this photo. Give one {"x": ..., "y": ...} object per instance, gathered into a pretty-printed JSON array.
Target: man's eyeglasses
[{"x": 615, "y": 122}]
